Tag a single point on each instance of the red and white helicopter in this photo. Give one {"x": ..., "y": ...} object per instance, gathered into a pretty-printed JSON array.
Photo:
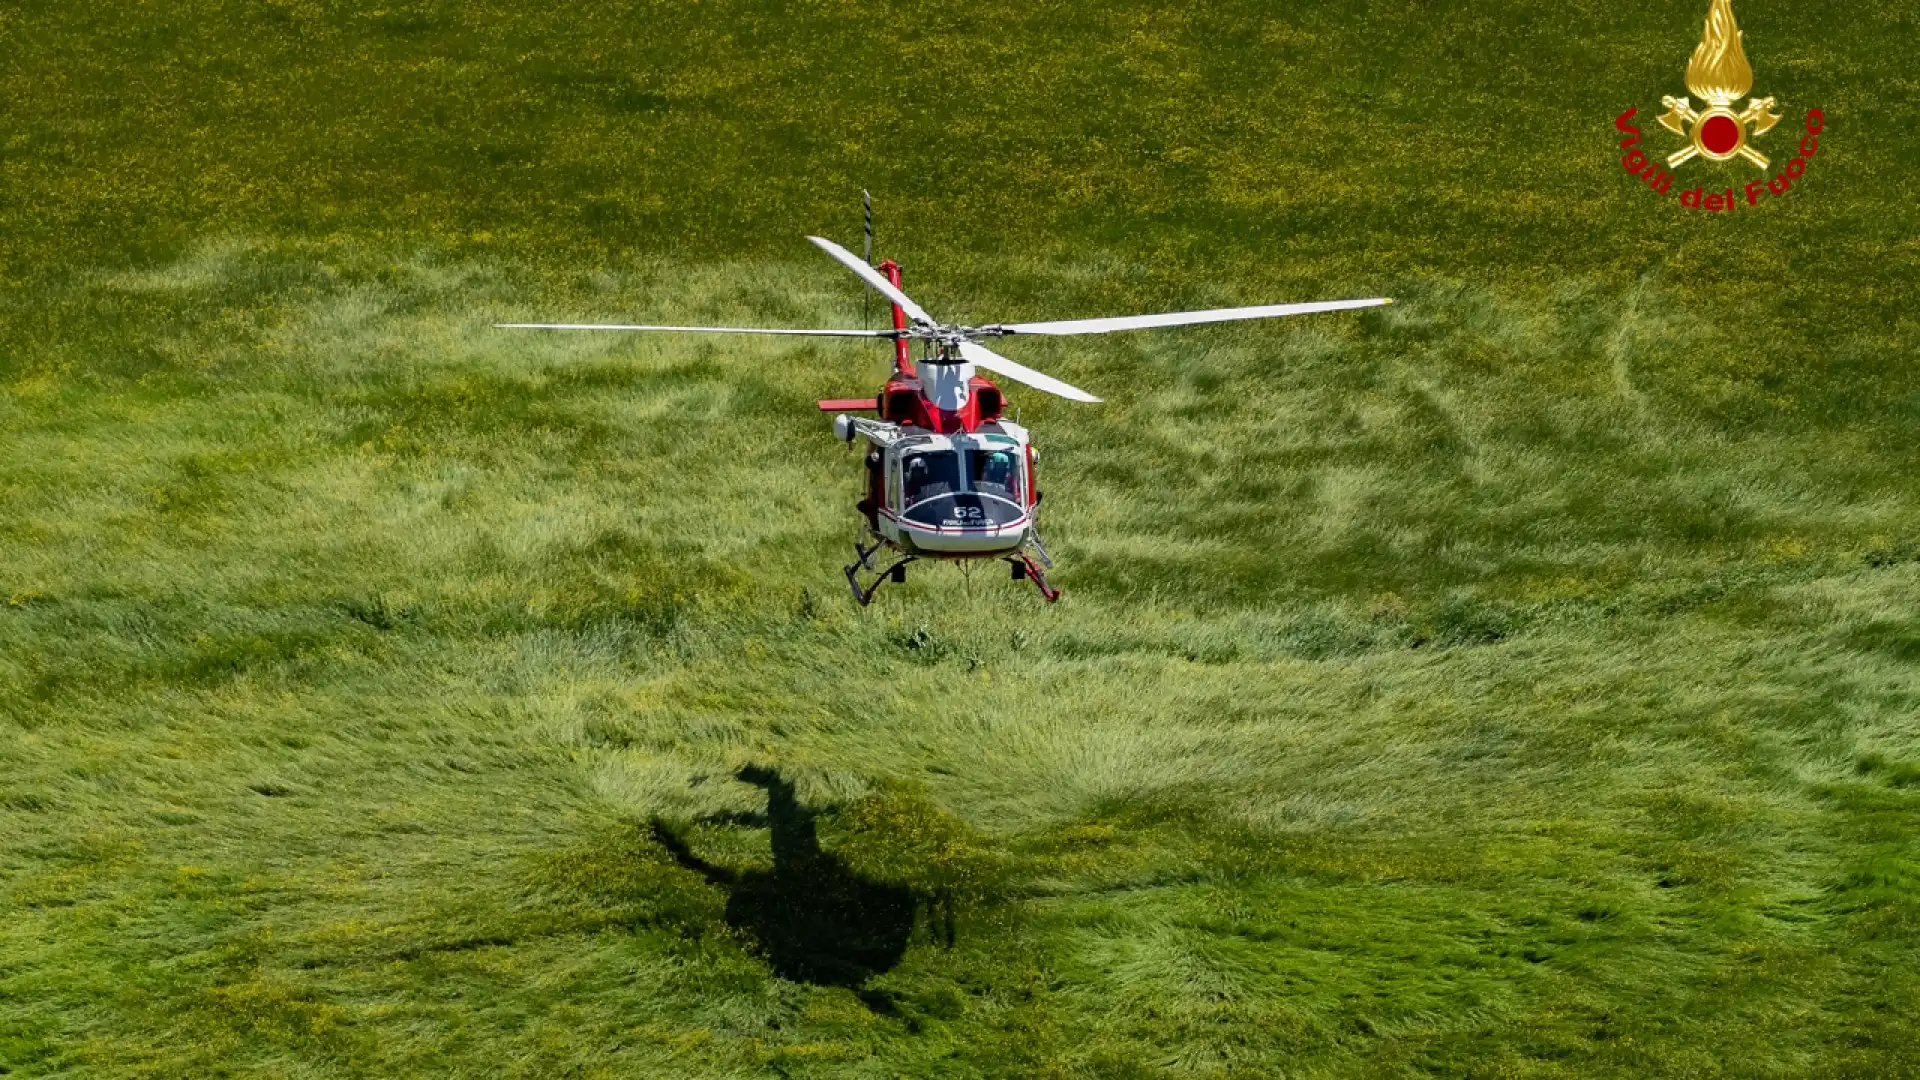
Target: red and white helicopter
[{"x": 948, "y": 476}]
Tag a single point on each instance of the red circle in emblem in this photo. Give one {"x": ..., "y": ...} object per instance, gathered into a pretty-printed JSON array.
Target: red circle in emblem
[{"x": 1720, "y": 134}]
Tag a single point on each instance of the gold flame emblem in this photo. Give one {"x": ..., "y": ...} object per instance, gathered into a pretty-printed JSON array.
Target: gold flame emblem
[{"x": 1719, "y": 75}]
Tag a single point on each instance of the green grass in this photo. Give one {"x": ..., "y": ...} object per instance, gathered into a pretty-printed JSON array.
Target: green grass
[{"x": 1523, "y": 680}]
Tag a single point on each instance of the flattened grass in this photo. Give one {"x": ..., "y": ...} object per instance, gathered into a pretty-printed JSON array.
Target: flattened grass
[{"x": 346, "y": 672}]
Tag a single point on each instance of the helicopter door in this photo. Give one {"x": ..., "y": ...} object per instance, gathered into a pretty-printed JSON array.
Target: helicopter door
[{"x": 876, "y": 496}]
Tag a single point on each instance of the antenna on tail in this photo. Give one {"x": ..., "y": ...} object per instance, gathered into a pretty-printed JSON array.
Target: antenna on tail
[{"x": 866, "y": 297}]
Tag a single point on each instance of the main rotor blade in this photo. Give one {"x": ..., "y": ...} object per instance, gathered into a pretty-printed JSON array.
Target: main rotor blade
[
  {"x": 1179, "y": 318},
  {"x": 699, "y": 329},
  {"x": 872, "y": 277},
  {"x": 981, "y": 356}
]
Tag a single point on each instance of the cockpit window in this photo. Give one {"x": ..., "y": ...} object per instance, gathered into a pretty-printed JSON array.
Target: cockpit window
[
  {"x": 928, "y": 474},
  {"x": 995, "y": 472}
]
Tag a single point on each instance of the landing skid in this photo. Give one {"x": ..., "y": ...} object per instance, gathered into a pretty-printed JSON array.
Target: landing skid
[
  {"x": 863, "y": 556},
  {"x": 896, "y": 572},
  {"x": 1023, "y": 564},
  {"x": 1040, "y": 549},
  {"x": 1024, "y": 567}
]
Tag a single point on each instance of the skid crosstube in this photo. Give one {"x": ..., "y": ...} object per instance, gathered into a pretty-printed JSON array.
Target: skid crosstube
[
  {"x": 1024, "y": 567},
  {"x": 1023, "y": 564},
  {"x": 896, "y": 572}
]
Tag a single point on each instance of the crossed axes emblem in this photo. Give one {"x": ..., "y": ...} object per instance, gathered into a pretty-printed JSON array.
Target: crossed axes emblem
[{"x": 1758, "y": 118}]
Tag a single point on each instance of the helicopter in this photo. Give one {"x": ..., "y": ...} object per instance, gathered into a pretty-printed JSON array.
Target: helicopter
[{"x": 948, "y": 476}]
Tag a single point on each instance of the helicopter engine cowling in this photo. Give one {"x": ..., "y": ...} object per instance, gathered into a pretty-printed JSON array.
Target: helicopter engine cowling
[{"x": 947, "y": 385}]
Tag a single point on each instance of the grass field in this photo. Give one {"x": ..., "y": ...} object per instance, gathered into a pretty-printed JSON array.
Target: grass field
[{"x": 1519, "y": 681}]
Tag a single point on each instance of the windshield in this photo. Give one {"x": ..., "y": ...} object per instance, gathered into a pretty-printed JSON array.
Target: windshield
[
  {"x": 934, "y": 491},
  {"x": 995, "y": 472},
  {"x": 927, "y": 474}
]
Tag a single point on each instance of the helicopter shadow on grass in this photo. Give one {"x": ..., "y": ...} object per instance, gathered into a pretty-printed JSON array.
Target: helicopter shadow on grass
[{"x": 817, "y": 921}]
